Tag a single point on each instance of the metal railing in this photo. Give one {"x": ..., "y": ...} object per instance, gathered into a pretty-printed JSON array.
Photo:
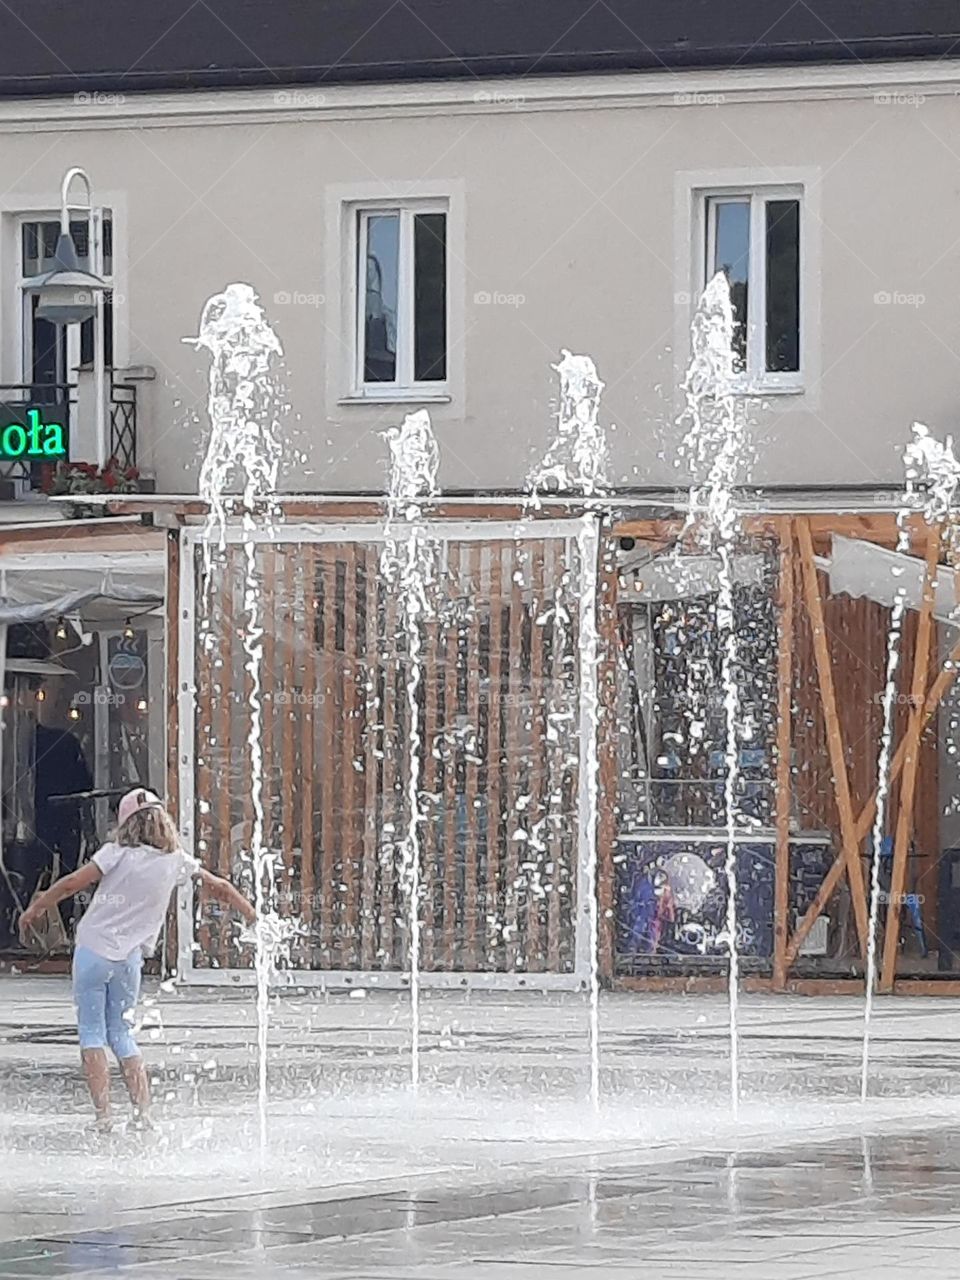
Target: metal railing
[
  {"x": 123, "y": 424},
  {"x": 15, "y": 398},
  {"x": 60, "y": 399}
]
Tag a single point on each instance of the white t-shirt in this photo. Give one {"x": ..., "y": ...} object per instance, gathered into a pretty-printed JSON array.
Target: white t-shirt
[{"x": 131, "y": 898}]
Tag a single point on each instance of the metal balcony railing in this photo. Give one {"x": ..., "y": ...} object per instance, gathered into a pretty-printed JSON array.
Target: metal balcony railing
[
  {"x": 123, "y": 424},
  {"x": 59, "y": 402}
]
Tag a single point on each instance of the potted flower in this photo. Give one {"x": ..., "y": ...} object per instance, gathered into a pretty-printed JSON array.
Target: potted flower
[{"x": 86, "y": 477}]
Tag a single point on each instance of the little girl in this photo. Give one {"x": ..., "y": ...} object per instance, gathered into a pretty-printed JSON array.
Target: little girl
[{"x": 135, "y": 876}]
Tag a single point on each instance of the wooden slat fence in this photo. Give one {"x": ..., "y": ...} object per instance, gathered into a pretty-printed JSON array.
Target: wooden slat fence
[{"x": 498, "y": 708}]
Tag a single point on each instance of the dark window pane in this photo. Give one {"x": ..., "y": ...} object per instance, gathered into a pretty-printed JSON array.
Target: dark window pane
[
  {"x": 40, "y": 244},
  {"x": 783, "y": 286},
  {"x": 732, "y": 257},
  {"x": 86, "y": 334},
  {"x": 48, "y": 347},
  {"x": 30, "y": 250},
  {"x": 380, "y": 317},
  {"x": 81, "y": 240},
  {"x": 430, "y": 297},
  {"x": 107, "y": 245}
]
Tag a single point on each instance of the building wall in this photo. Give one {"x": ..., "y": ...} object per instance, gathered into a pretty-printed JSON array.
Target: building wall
[{"x": 573, "y": 200}]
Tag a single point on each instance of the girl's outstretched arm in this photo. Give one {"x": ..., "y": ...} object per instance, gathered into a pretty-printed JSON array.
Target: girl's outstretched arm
[
  {"x": 84, "y": 877},
  {"x": 225, "y": 892}
]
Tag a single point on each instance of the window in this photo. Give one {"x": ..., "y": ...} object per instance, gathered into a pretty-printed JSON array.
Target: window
[
  {"x": 45, "y": 355},
  {"x": 755, "y": 239},
  {"x": 401, "y": 298}
]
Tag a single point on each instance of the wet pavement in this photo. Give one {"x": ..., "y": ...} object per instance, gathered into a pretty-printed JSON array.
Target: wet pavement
[{"x": 498, "y": 1169}]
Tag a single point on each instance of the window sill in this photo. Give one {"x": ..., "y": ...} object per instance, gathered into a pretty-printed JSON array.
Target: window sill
[
  {"x": 400, "y": 395},
  {"x": 761, "y": 390}
]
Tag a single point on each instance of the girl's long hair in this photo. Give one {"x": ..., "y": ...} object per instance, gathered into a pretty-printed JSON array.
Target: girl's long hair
[{"x": 153, "y": 827}]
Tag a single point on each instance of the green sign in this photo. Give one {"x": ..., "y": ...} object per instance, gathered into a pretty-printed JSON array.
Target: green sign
[{"x": 33, "y": 438}]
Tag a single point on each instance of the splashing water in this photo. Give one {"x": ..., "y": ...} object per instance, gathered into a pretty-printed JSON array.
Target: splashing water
[
  {"x": 408, "y": 563},
  {"x": 577, "y": 462},
  {"x": 244, "y": 446},
  {"x": 714, "y": 450},
  {"x": 929, "y": 466},
  {"x": 241, "y": 402},
  {"x": 274, "y": 935},
  {"x": 588, "y": 645}
]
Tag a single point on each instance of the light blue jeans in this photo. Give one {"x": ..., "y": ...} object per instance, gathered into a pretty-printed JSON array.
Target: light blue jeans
[{"x": 105, "y": 993}]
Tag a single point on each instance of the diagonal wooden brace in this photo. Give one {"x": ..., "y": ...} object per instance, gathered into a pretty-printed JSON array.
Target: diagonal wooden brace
[{"x": 850, "y": 847}]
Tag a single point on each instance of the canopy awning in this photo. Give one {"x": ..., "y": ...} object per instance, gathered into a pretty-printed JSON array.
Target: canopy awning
[
  {"x": 860, "y": 568},
  {"x": 99, "y": 587}
]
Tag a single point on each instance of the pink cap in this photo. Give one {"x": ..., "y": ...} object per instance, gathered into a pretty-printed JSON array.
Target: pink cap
[{"x": 134, "y": 801}]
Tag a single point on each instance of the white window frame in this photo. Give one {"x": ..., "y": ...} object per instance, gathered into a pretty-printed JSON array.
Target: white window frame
[
  {"x": 339, "y": 288},
  {"x": 405, "y": 385},
  {"x": 690, "y": 189},
  {"x": 756, "y": 377},
  {"x": 23, "y": 326}
]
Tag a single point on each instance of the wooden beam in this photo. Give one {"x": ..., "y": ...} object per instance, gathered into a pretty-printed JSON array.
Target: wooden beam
[
  {"x": 784, "y": 743},
  {"x": 948, "y": 674},
  {"x": 921, "y": 661},
  {"x": 752, "y": 984},
  {"x": 130, "y": 534},
  {"x": 841, "y": 782}
]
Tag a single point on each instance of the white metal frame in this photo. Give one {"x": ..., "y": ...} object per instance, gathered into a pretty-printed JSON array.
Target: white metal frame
[{"x": 573, "y": 532}]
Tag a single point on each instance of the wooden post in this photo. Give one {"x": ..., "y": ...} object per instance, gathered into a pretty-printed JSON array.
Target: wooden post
[
  {"x": 948, "y": 674},
  {"x": 841, "y": 782},
  {"x": 908, "y": 785},
  {"x": 784, "y": 773}
]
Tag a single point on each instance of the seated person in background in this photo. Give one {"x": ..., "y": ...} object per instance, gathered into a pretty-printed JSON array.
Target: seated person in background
[{"x": 60, "y": 769}]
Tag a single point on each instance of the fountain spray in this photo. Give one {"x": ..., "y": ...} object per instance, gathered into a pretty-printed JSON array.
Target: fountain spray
[
  {"x": 577, "y": 462},
  {"x": 714, "y": 444},
  {"x": 244, "y": 444},
  {"x": 408, "y": 563},
  {"x": 929, "y": 466}
]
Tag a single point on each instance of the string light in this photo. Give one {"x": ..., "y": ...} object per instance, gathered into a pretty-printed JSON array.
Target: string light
[
  {"x": 128, "y": 631},
  {"x": 41, "y": 695},
  {"x": 74, "y": 713},
  {"x": 142, "y": 704}
]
